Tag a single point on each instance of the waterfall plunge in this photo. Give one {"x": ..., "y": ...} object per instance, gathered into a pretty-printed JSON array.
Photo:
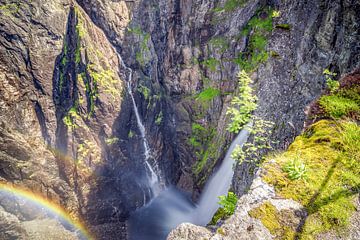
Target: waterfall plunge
[{"x": 172, "y": 207}]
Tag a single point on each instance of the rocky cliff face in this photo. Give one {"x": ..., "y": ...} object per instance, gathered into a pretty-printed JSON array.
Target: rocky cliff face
[{"x": 68, "y": 129}]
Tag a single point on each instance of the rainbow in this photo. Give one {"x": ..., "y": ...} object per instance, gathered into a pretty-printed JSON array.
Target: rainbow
[{"x": 43, "y": 202}]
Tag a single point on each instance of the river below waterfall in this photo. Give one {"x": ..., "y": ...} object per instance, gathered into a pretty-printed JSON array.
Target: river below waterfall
[{"x": 171, "y": 207}]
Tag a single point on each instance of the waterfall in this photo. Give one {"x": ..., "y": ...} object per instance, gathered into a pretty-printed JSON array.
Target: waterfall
[
  {"x": 153, "y": 177},
  {"x": 172, "y": 207},
  {"x": 218, "y": 184}
]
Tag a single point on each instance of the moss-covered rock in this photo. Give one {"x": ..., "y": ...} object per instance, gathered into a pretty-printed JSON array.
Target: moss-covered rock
[
  {"x": 330, "y": 150},
  {"x": 279, "y": 223}
]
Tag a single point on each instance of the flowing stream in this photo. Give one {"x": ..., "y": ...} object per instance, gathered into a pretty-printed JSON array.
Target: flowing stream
[
  {"x": 153, "y": 177},
  {"x": 171, "y": 207}
]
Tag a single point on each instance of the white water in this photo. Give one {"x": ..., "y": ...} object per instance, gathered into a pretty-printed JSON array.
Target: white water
[
  {"x": 218, "y": 184},
  {"x": 153, "y": 178},
  {"x": 172, "y": 207}
]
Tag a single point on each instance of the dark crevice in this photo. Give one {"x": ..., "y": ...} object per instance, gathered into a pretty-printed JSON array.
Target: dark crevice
[{"x": 42, "y": 121}]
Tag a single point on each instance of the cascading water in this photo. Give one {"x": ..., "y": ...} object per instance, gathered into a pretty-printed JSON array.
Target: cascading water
[
  {"x": 154, "y": 179},
  {"x": 218, "y": 184},
  {"x": 172, "y": 207}
]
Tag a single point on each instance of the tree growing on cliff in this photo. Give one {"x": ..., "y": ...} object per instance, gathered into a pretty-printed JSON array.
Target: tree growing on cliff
[{"x": 242, "y": 105}]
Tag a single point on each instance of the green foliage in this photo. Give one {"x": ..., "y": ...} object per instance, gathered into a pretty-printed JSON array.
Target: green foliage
[
  {"x": 242, "y": 107},
  {"x": 228, "y": 202},
  {"x": 208, "y": 94},
  {"x": 70, "y": 117},
  {"x": 105, "y": 79},
  {"x": 78, "y": 54},
  {"x": 159, "y": 118},
  {"x": 228, "y": 206},
  {"x": 260, "y": 131},
  {"x": 111, "y": 141},
  {"x": 330, "y": 151},
  {"x": 332, "y": 84},
  {"x": 211, "y": 63},
  {"x": 130, "y": 134},
  {"x": 259, "y": 27},
  {"x": 10, "y": 8},
  {"x": 145, "y": 91},
  {"x": 197, "y": 134},
  {"x": 136, "y": 30},
  {"x": 91, "y": 92},
  {"x": 144, "y": 49},
  {"x": 79, "y": 28},
  {"x": 284, "y": 26},
  {"x": 274, "y": 221},
  {"x": 140, "y": 58},
  {"x": 200, "y": 140},
  {"x": 351, "y": 141},
  {"x": 337, "y": 106},
  {"x": 231, "y": 5},
  {"x": 276, "y": 14},
  {"x": 295, "y": 169}
]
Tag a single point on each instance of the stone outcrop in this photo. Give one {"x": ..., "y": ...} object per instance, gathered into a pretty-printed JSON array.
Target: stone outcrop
[{"x": 241, "y": 225}]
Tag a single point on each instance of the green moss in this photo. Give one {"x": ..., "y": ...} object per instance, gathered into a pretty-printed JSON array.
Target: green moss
[
  {"x": 274, "y": 54},
  {"x": 70, "y": 117},
  {"x": 231, "y": 5},
  {"x": 284, "y": 26},
  {"x": 78, "y": 54},
  {"x": 10, "y": 8},
  {"x": 139, "y": 58},
  {"x": 105, "y": 79},
  {"x": 111, "y": 141},
  {"x": 220, "y": 214},
  {"x": 130, "y": 134},
  {"x": 79, "y": 27},
  {"x": 208, "y": 94},
  {"x": 220, "y": 231},
  {"x": 268, "y": 215},
  {"x": 330, "y": 150},
  {"x": 211, "y": 64},
  {"x": 144, "y": 39},
  {"x": 200, "y": 139},
  {"x": 278, "y": 223},
  {"x": 145, "y": 91},
  {"x": 338, "y": 106},
  {"x": 259, "y": 26},
  {"x": 159, "y": 118}
]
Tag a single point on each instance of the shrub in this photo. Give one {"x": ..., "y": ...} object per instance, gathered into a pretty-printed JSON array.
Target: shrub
[
  {"x": 332, "y": 84},
  {"x": 242, "y": 107},
  {"x": 228, "y": 202},
  {"x": 259, "y": 141},
  {"x": 228, "y": 206}
]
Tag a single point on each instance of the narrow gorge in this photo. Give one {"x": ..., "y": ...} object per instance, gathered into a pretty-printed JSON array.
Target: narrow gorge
[{"x": 179, "y": 119}]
